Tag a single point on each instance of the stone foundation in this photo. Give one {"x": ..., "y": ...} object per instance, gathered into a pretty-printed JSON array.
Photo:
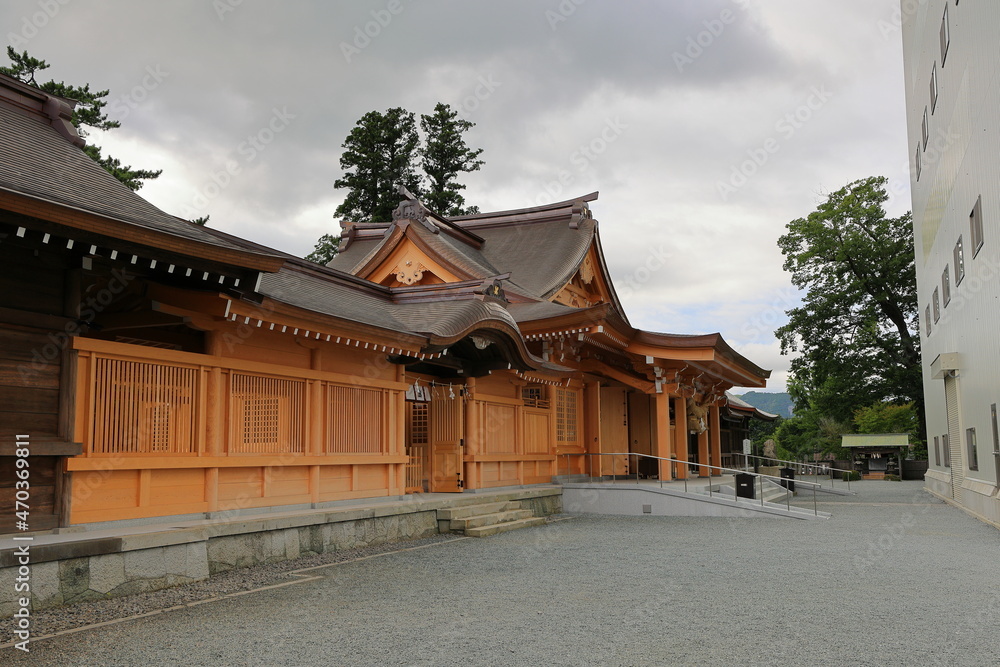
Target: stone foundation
[{"x": 81, "y": 566}]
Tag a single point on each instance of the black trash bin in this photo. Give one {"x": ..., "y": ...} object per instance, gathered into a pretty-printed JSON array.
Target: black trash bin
[
  {"x": 787, "y": 475},
  {"x": 745, "y": 487}
]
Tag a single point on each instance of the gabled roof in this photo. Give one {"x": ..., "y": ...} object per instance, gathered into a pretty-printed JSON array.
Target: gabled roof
[
  {"x": 875, "y": 440},
  {"x": 541, "y": 247}
]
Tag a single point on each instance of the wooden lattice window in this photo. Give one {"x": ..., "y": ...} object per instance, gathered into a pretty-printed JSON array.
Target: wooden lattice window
[
  {"x": 356, "y": 419},
  {"x": 535, "y": 396},
  {"x": 417, "y": 445},
  {"x": 157, "y": 419},
  {"x": 143, "y": 408},
  {"x": 267, "y": 415},
  {"x": 567, "y": 414},
  {"x": 418, "y": 424}
]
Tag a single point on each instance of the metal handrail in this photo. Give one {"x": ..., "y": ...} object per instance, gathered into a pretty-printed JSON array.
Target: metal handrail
[
  {"x": 758, "y": 476},
  {"x": 847, "y": 479}
]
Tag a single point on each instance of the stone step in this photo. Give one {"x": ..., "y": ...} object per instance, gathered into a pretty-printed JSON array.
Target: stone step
[
  {"x": 490, "y": 519},
  {"x": 486, "y": 531},
  {"x": 476, "y": 510}
]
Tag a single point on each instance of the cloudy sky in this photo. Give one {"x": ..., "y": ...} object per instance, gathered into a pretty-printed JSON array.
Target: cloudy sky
[{"x": 706, "y": 125}]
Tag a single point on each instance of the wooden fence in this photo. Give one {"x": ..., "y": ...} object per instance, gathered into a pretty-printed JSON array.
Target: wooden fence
[{"x": 168, "y": 432}]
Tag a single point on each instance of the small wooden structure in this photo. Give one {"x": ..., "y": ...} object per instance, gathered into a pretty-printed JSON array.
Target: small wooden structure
[
  {"x": 875, "y": 455},
  {"x": 162, "y": 369}
]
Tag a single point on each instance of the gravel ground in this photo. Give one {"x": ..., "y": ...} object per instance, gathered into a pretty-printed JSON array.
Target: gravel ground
[
  {"x": 895, "y": 577},
  {"x": 60, "y": 619}
]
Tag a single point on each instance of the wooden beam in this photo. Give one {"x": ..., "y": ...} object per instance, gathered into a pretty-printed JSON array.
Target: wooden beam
[{"x": 600, "y": 368}]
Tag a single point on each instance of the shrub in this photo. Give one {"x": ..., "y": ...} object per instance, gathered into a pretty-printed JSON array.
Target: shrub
[
  {"x": 852, "y": 476},
  {"x": 893, "y": 478}
]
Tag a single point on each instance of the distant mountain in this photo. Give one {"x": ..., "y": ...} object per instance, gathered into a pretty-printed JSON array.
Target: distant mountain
[{"x": 776, "y": 404}]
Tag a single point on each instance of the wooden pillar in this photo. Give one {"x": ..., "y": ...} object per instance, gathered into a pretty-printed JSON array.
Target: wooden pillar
[
  {"x": 680, "y": 437},
  {"x": 592, "y": 427},
  {"x": 213, "y": 342},
  {"x": 661, "y": 421},
  {"x": 315, "y": 423},
  {"x": 472, "y": 435},
  {"x": 715, "y": 437},
  {"x": 703, "y": 454},
  {"x": 215, "y": 426}
]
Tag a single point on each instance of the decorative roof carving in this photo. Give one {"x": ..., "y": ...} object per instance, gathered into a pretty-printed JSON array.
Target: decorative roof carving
[
  {"x": 587, "y": 270},
  {"x": 409, "y": 272}
]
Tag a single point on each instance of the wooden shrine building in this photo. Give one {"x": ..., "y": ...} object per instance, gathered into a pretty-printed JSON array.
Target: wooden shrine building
[{"x": 163, "y": 369}]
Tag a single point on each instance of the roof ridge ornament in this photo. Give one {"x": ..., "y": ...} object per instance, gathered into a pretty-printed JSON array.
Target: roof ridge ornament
[
  {"x": 412, "y": 208},
  {"x": 491, "y": 289},
  {"x": 581, "y": 211}
]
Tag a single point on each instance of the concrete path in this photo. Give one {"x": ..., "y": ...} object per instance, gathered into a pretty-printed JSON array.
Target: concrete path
[{"x": 894, "y": 578}]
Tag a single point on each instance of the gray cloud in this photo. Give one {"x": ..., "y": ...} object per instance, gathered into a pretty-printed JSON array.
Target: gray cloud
[{"x": 541, "y": 90}]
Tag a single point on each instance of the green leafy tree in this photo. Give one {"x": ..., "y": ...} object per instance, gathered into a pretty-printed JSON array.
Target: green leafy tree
[
  {"x": 443, "y": 157},
  {"x": 886, "y": 417},
  {"x": 89, "y": 112},
  {"x": 379, "y": 154},
  {"x": 326, "y": 249},
  {"x": 809, "y": 433},
  {"x": 857, "y": 326}
]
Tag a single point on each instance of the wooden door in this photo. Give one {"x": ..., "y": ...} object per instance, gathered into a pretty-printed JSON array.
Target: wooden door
[
  {"x": 447, "y": 425},
  {"x": 614, "y": 430},
  {"x": 640, "y": 433}
]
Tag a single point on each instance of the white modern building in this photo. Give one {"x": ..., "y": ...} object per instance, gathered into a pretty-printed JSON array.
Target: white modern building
[{"x": 952, "y": 70}]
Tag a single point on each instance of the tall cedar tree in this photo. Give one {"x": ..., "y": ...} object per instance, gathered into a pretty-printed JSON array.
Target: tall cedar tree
[
  {"x": 326, "y": 249},
  {"x": 379, "y": 154},
  {"x": 89, "y": 111},
  {"x": 857, "y": 325},
  {"x": 445, "y": 155}
]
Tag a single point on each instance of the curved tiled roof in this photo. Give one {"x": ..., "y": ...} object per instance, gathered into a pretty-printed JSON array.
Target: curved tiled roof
[
  {"x": 541, "y": 257},
  {"x": 37, "y": 161}
]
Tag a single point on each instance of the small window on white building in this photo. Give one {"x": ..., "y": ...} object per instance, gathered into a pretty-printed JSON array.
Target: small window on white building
[
  {"x": 916, "y": 162},
  {"x": 970, "y": 443},
  {"x": 936, "y": 303},
  {"x": 945, "y": 287},
  {"x": 934, "y": 88},
  {"x": 925, "y": 130},
  {"x": 945, "y": 35},
  {"x": 937, "y": 451},
  {"x": 947, "y": 450},
  {"x": 976, "y": 226},
  {"x": 959, "y": 262},
  {"x": 927, "y": 319}
]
